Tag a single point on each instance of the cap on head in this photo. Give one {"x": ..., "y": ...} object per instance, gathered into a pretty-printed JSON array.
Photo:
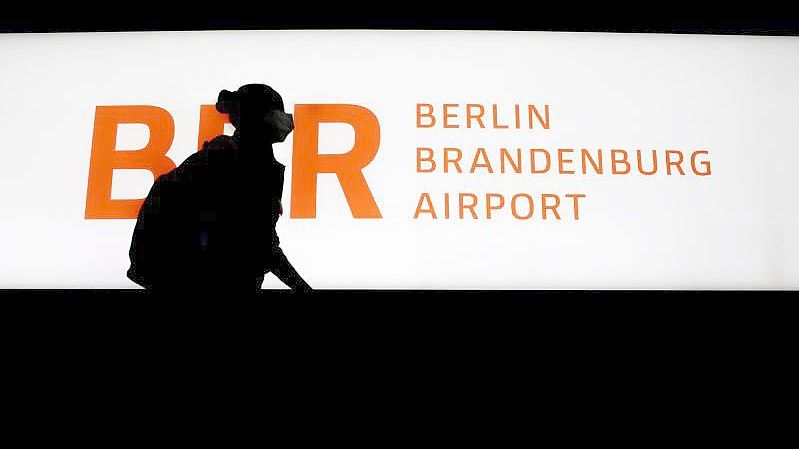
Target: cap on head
[{"x": 249, "y": 96}]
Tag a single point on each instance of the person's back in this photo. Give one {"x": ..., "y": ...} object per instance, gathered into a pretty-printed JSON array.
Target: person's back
[{"x": 206, "y": 224}]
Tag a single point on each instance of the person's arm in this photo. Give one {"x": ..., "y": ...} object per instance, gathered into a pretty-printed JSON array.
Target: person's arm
[{"x": 284, "y": 271}]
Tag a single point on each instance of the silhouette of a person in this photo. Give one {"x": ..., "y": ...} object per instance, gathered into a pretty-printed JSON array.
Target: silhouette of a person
[{"x": 208, "y": 226}]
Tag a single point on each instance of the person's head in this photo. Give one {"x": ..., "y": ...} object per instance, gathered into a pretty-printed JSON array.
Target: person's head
[{"x": 256, "y": 109}]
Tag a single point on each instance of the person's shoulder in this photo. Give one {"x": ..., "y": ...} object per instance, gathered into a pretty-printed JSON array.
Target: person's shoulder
[
  {"x": 219, "y": 143},
  {"x": 213, "y": 152}
]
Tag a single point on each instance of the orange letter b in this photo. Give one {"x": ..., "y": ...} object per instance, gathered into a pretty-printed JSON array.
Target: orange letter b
[
  {"x": 307, "y": 162},
  {"x": 105, "y": 158}
]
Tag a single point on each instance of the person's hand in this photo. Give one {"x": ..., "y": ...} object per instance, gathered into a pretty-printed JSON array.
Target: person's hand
[{"x": 302, "y": 288}]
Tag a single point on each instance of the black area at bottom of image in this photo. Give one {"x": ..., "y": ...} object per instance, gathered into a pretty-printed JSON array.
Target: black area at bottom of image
[
  {"x": 467, "y": 311},
  {"x": 387, "y": 339}
]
